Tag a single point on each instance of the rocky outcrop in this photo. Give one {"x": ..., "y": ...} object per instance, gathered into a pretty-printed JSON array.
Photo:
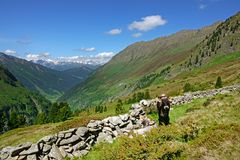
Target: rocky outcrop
[{"x": 77, "y": 142}]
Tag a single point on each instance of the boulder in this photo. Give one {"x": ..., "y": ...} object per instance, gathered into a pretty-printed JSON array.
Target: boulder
[
  {"x": 70, "y": 140},
  {"x": 103, "y": 137},
  {"x": 55, "y": 153},
  {"x": 14, "y": 151},
  {"x": 82, "y": 131},
  {"x": 124, "y": 117},
  {"x": 48, "y": 139},
  {"x": 46, "y": 148},
  {"x": 34, "y": 149},
  {"x": 116, "y": 120}
]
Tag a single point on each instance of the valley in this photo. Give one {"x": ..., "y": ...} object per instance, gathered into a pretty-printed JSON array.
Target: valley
[{"x": 79, "y": 103}]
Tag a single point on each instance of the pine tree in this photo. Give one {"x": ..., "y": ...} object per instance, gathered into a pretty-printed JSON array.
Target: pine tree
[{"x": 219, "y": 82}]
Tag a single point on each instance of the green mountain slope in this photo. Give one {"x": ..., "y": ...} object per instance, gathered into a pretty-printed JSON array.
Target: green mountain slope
[
  {"x": 141, "y": 64},
  {"x": 47, "y": 81},
  {"x": 18, "y": 105}
]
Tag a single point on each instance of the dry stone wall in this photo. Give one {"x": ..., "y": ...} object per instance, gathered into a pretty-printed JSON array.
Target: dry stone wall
[{"x": 77, "y": 142}]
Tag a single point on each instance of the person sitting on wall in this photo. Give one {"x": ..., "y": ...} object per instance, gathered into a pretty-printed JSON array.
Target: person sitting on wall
[{"x": 163, "y": 106}]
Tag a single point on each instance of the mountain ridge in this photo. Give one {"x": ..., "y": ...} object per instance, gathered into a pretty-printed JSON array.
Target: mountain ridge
[{"x": 49, "y": 82}]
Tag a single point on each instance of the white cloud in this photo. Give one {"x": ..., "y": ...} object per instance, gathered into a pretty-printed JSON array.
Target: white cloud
[
  {"x": 114, "y": 31},
  {"x": 100, "y": 58},
  {"x": 91, "y": 49},
  {"x": 33, "y": 57},
  {"x": 147, "y": 23},
  {"x": 10, "y": 52},
  {"x": 136, "y": 35},
  {"x": 202, "y": 6},
  {"x": 40, "y": 56}
]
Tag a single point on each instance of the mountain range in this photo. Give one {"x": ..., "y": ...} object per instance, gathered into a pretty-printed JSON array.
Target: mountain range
[
  {"x": 144, "y": 63},
  {"x": 50, "y": 82}
]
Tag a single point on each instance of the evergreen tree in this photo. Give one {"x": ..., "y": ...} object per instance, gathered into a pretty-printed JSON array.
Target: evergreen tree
[
  {"x": 219, "y": 82},
  {"x": 187, "y": 87},
  {"x": 3, "y": 121}
]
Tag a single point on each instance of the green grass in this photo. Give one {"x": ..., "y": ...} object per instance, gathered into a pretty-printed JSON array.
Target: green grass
[{"x": 201, "y": 131}]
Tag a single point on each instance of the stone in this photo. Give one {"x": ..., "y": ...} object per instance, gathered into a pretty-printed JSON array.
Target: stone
[
  {"x": 48, "y": 139},
  {"x": 105, "y": 120},
  {"x": 90, "y": 138},
  {"x": 119, "y": 131},
  {"x": 63, "y": 152},
  {"x": 55, "y": 153},
  {"x": 46, "y": 148},
  {"x": 32, "y": 150},
  {"x": 82, "y": 131},
  {"x": 129, "y": 126},
  {"x": 142, "y": 131},
  {"x": 71, "y": 140},
  {"x": 124, "y": 124},
  {"x": 105, "y": 129},
  {"x": 79, "y": 146},
  {"x": 103, "y": 137},
  {"x": 94, "y": 124},
  {"x": 61, "y": 135},
  {"x": 135, "y": 106},
  {"x": 68, "y": 135},
  {"x": 14, "y": 151},
  {"x": 32, "y": 157},
  {"x": 144, "y": 103},
  {"x": 84, "y": 152},
  {"x": 116, "y": 120},
  {"x": 69, "y": 149},
  {"x": 124, "y": 117},
  {"x": 115, "y": 133},
  {"x": 77, "y": 154}
]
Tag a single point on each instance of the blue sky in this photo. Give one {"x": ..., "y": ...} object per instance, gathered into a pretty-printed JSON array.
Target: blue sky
[{"x": 65, "y": 28}]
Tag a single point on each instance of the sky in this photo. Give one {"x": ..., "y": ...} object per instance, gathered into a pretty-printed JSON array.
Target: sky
[{"x": 98, "y": 29}]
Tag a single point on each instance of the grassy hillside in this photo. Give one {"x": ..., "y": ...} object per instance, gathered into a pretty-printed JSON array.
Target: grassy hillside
[
  {"x": 48, "y": 82},
  {"x": 149, "y": 64},
  {"x": 121, "y": 73},
  {"x": 203, "y": 129},
  {"x": 18, "y": 106}
]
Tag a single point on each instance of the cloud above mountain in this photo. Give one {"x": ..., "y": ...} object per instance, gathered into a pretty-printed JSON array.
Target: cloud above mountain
[
  {"x": 9, "y": 52},
  {"x": 99, "y": 59},
  {"x": 147, "y": 23}
]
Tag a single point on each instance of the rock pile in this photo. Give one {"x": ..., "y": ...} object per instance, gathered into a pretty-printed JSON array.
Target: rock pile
[
  {"x": 188, "y": 97},
  {"x": 77, "y": 142}
]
